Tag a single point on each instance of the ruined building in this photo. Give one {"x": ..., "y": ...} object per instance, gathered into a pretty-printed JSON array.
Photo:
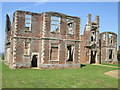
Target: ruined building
[
  {"x": 46, "y": 40},
  {"x": 53, "y": 40},
  {"x": 97, "y": 47},
  {"x": 90, "y": 44},
  {"x": 108, "y": 47}
]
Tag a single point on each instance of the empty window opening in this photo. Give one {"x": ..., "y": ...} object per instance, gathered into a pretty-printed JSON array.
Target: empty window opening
[
  {"x": 70, "y": 25},
  {"x": 91, "y": 38},
  {"x": 94, "y": 28},
  {"x": 54, "y": 52},
  {"x": 94, "y": 36},
  {"x": 34, "y": 61},
  {"x": 93, "y": 57},
  {"x": 110, "y": 35},
  {"x": 111, "y": 41},
  {"x": 110, "y": 38},
  {"x": 70, "y": 52},
  {"x": 110, "y": 54},
  {"x": 27, "y": 22},
  {"x": 55, "y": 24},
  {"x": 27, "y": 48},
  {"x": 103, "y": 36}
]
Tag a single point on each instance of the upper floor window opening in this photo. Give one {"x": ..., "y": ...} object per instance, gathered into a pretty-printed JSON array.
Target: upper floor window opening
[
  {"x": 110, "y": 38},
  {"x": 103, "y": 36},
  {"x": 70, "y": 25},
  {"x": 28, "y": 22},
  {"x": 55, "y": 24}
]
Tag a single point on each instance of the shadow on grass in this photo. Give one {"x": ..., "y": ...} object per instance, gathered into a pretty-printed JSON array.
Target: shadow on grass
[{"x": 83, "y": 65}]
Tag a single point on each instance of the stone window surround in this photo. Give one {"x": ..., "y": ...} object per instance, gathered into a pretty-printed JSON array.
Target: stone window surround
[
  {"x": 28, "y": 50},
  {"x": 28, "y": 17},
  {"x": 67, "y": 49},
  {"x": 50, "y": 50},
  {"x": 57, "y": 20}
]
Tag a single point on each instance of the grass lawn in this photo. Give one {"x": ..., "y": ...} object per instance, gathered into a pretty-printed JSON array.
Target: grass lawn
[
  {"x": 89, "y": 76},
  {"x": 117, "y": 65}
]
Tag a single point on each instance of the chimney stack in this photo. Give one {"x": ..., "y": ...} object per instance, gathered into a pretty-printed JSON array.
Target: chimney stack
[{"x": 88, "y": 19}]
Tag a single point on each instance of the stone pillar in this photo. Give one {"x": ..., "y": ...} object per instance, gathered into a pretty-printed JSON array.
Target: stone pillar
[
  {"x": 97, "y": 36},
  {"x": 89, "y": 56},
  {"x": 106, "y": 39},
  {"x": 107, "y": 43},
  {"x": 63, "y": 27},
  {"x": 106, "y": 55},
  {"x": 88, "y": 25},
  {"x": 46, "y": 51},
  {"x": 115, "y": 55},
  {"x": 77, "y": 29},
  {"x": 47, "y": 21},
  {"x": 98, "y": 56},
  {"x": 76, "y": 53},
  {"x": 62, "y": 56}
]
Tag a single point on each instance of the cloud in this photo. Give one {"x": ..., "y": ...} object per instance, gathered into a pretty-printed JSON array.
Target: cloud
[{"x": 40, "y": 3}]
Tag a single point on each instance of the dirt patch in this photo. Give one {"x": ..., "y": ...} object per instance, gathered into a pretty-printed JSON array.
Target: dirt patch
[{"x": 113, "y": 73}]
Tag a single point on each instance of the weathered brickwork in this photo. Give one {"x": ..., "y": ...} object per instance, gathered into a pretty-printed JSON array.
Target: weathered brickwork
[
  {"x": 97, "y": 47},
  {"x": 30, "y": 42},
  {"x": 53, "y": 40},
  {"x": 90, "y": 45},
  {"x": 108, "y": 47}
]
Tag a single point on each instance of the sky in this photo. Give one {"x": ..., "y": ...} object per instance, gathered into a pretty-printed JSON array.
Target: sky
[{"x": 108, "y": 12}]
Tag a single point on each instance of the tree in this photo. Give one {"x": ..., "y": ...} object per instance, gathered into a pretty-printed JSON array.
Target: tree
[
  {"x": 3, "y": 56},
  {"x": 118, "y": 56}
]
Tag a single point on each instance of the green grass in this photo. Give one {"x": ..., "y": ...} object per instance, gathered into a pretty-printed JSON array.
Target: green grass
[
  {"x": 89, "y": 76},
  {"x": 0, "y": 72},
  {"x": 117, "y": 65}
]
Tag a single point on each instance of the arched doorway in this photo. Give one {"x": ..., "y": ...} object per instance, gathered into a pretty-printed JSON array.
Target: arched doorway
[{"x": 34, "y": 61}]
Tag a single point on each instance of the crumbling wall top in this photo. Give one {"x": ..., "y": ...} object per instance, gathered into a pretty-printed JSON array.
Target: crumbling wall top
[
  {"x": 108, "y": 33},
  {"x": 26, "y": 12},
  {"x": 51, "y": 13}
]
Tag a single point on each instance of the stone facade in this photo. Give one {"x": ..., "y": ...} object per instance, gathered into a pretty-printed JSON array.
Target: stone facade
[
  {"x": 46, "y": 40},
  {"x": 97, "y": 47},
  {"x": 53, "y": 40},
  {"x": 90, "y": 44},
  {"x": 108, "y": 47}
]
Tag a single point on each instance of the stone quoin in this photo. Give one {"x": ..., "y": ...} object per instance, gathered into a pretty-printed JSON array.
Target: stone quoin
[{"x": 52, "y": 40}]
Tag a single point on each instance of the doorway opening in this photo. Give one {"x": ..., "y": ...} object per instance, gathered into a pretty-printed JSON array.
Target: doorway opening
[
  {"x": 70, "y": 51},
  {"x": 110, "y": 54},
  {"x": 93, "y": 57},
  {"x": 34, "y": 61}
]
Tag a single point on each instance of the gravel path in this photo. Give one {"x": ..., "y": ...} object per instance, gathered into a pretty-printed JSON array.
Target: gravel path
[{"x": 113, "y": 73}]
